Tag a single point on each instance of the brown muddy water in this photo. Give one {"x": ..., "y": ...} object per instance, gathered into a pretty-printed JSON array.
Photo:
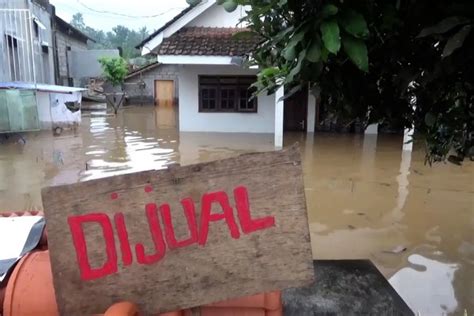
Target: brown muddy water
[{"x": 366, "y": 197}]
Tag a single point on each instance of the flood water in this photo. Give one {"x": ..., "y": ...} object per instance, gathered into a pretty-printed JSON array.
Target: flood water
[{"x": 366, "y": 197}]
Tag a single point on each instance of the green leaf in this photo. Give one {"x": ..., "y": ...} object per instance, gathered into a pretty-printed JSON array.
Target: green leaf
[
  {"x": 356, "y": 49},
  {"x": 269, "y": 72},
  {"x": 456, "y": 41},
  {"x": 296, "y": 70},
  {"x": 354, "y": 23},
  {"x": 295, "y": 39},
  {"x": 443, "y": 26},
  {"x": 244, "y": 35},
  {"x": 282, "y": 2},
  {"x": 430, "y": 119},
  {"x": 329, "y": 10},
  {"x": 330, "y": 35},
  {"x": 219, "y": 2},
  {"x": 289, "y": 53},
  {"x": 230, "y": 5},
  {"x": 280, "y": 35},
  {"x": 314, "y": 52},
  {"x": 324, "y": 54}
]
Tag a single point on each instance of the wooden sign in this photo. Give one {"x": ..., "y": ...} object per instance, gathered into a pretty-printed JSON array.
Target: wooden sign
[{"x": 181, "y": 237}]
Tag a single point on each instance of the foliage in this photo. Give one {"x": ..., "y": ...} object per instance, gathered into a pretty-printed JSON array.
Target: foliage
[
  {"x": 399, "y": 62},
  {"x": 120, "y": 36},
  {"x": 115, "y": 69}
]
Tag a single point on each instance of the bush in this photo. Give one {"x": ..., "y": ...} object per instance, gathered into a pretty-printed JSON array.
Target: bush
[{"x": 115, "y": 69}]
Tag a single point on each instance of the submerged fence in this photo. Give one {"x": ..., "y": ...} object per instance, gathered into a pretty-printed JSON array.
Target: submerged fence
[{"x": 18, "y": 41}]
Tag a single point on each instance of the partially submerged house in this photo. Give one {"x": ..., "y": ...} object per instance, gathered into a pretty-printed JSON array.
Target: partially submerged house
[
  {"x": 139, "y": 84},
  {"x": 199, "y": 66},
  {"x": 29, "y": 97},
  {"x": 39, "y": 86}
]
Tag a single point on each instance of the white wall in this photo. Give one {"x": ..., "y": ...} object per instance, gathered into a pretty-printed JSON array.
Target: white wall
[
  {"x": 191, "y": 120},
  {"x": 44, "y": 110},
  {"x": 311, "y": 118},
  {"x": 52, "y": 112},
  {"x": 60, "y": 114},
  {"x": 216, "y": 16}
]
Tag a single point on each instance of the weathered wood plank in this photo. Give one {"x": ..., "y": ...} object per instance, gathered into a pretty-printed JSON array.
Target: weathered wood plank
[{"x": 240, "y": 256}]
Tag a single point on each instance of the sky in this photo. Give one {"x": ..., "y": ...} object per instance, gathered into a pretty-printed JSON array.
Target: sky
[{"x": 112, "y": 12}]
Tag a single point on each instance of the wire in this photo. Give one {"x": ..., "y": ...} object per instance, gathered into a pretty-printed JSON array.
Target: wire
[{"x": 127, "y": 15}]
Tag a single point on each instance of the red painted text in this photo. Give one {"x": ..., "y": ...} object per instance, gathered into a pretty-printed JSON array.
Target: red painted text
[{"x": 162, "y": 230}]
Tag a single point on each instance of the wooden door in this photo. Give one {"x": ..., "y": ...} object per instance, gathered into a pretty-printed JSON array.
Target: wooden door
[
  {"x": 295, "y": 112},
  {"x": 166, "y": 115},
  {"x": 164, "y": 92}
]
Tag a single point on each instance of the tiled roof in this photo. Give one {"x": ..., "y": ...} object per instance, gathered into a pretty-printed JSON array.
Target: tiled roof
[{"x": 208, "y": 41}]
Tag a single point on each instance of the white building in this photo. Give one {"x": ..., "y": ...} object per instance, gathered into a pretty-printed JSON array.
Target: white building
[{"x": 208, "y": 87}]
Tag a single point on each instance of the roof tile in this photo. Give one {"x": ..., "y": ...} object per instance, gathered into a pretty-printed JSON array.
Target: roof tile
[{"x": 209, "y": 41}]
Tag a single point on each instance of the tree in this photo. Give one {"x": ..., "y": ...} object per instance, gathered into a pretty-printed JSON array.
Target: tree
[
  {"x": 400, "y": 62},
  {"x": 78, "y": 21},
  {"x": 115, "y": 70},
  {"x": 120, "y": 36}
]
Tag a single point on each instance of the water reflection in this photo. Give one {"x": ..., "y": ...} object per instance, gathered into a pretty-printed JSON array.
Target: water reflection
[
  {"x": 123, "y": 149},
  {"x": 427, "y": 285},
  {"x": 367, "y": 198}
]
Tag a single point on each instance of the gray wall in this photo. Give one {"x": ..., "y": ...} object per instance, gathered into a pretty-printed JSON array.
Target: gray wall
[
  {"x": 44, "y": 61},
  {"x": 63, "y": 41},
  {"x": 18, "y": 24},
  {"x": 84, "y": 63},
  {"x": 161, "y": 72}
]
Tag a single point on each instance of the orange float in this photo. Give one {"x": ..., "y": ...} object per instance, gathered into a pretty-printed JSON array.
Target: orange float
[
  {"x": 30, "y": 292},
  {"x": 30, "y": 288}
]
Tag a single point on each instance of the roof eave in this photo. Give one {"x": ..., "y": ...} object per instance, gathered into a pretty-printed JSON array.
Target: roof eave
[
  {"x": 79, "y": 33},
  {"x": 200, "y": 60},
  {"x": 182, "y": 18}
]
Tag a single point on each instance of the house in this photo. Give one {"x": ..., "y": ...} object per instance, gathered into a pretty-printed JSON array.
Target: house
[
  {"x": 199, "y": 74},
  {"x": 26, "y": 41},
  {"x": 76, "y": 64},
  {"x": 30, "y": 98},
  {"x": 67, "y": 40},
  {"x": 139, "y": 84}
]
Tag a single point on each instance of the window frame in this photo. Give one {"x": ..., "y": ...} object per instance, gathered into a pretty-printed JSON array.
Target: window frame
[{"x": 239, "y": 83}]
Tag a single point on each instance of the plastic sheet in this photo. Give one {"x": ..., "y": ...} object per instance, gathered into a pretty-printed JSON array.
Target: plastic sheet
[{"x": 18, "y": 111}]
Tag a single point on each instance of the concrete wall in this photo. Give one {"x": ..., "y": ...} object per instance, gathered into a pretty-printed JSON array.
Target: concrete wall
[
  {"x": 44, "y": 62},
  {"x": 63, "y": 41},
  {"x": 161, "y": 72},
  {"x": 216, "y": 16},
  {"x": 84, "y": 63},
  {"x": 52, "y": 111},
  {"x": 191, "y": 120}
]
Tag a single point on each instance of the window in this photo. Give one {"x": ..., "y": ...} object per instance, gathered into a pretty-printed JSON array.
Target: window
[
  {"x": 226, "y": 94},
  {"x": 35, "y": 29}
]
